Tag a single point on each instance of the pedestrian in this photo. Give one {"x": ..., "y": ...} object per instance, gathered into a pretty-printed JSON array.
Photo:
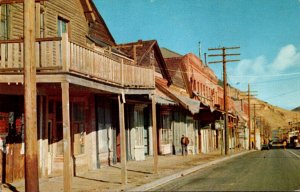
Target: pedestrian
[
  {"x": 184, "y": 143},
  {"x": 284, "y": 144}
]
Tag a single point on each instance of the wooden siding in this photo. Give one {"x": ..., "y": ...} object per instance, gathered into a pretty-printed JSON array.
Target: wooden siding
[{"x": 69, "y": 10}]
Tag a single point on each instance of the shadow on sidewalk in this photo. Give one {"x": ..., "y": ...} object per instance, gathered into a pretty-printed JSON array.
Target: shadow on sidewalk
[
  {"x": 9, "y": 186},
  {"x": 144, "y": 172},
  {"x": 98, "y": 180}
]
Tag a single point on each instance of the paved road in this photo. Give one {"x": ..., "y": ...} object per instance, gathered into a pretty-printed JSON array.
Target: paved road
[{"x": 270, "y": 170}]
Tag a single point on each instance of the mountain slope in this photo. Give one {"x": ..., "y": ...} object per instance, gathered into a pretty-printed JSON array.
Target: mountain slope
[
  {"x": 275, "y": 117},
  {"x": 297, "y": 109}
]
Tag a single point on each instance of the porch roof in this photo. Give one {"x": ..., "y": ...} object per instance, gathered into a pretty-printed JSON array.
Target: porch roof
[
  {"x": 192, "y": 105},
  {"x": 164, "y": 101},
  {"x": 189, "y": 104}
]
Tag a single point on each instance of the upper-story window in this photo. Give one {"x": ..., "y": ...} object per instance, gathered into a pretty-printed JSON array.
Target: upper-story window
[
  {"x": 4, "y": 22},
  {"x": 61, "y": 27},
  {"x": 42, "y": 23}
]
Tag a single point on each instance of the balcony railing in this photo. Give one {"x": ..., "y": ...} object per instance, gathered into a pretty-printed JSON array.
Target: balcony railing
[{"x": 56, "y": 55}]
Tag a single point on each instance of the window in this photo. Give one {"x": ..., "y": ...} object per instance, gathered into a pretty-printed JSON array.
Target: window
[
  {"x": 42, "y": 23},
  {"x": 4, "y": 22},
  {"x": 61, "y": 27},
  {"x": 139, "y": 126},
  {"x": 166, "y": 129},
  {"x": 78, "y": 127}
]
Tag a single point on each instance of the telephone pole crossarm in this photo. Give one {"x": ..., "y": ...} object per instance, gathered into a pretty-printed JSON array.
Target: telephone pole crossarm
[
  {"x": 221, "y": 48},
  {"x": 220, "y": 55}
]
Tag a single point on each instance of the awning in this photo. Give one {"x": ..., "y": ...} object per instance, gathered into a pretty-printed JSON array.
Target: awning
[
  {"x": 164, "y": 101},
  {"x": 192, "y": 105}
]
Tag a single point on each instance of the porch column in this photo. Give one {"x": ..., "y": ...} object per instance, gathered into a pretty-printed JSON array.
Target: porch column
[
  {"x": 154, "y": 135},
  {"x": 123, "y": 141},
  {"x": 66, "y": 137}
]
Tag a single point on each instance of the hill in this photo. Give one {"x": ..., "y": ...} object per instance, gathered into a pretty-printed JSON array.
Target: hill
[
  {"x": 296, "y": 109},
  {"x": 275, "y": 116}
]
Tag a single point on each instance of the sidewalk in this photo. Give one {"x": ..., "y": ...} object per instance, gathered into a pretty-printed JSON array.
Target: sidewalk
[{"x": 140, "y": 176}]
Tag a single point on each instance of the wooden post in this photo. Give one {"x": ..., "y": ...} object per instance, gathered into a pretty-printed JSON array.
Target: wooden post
[
  {"x": 254, "y": 127},
  {"x": 31, "y": 159},
  {"x": 123, "y": 141},
  {"x": 154, "y": 135},
  {"x": 249, "y": 117},
  {"x": 65, "y": 52},
  {"x": 66, "y": 137},
  {"x": 225, "y": 103},
  {"x": 38, "y": 19}
]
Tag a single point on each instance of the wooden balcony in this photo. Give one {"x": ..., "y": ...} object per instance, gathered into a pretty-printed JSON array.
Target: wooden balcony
[{"x": 60, "y": 56}]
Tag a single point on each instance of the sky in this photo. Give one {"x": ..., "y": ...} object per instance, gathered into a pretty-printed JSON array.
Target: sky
[{"x": 267, "y": 32}]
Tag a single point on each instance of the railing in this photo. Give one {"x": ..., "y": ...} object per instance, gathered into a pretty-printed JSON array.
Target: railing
[
  {"x": 59, "y": 55},
  {"x": 48, "y": 55}
]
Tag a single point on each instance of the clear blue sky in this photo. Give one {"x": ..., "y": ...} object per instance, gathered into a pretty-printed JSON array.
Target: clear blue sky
[{"x": 268, "y": 32}]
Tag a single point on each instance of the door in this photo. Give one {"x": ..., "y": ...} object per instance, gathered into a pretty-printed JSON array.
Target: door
[
  {"x": 78, "y": 117},
  {"x": 118, "y": 144},
  {"x": 146, "y": 130},
  {"x": 55, "y": 134}
]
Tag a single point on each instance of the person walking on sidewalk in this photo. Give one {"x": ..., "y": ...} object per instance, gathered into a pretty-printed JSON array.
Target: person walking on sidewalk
[{"x": 184, "y": 143}]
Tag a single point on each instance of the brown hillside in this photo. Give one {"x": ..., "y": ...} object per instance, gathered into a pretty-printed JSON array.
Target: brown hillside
[
  {"x": 296, "y": 109},
  {"x": 275, "y": 116}
]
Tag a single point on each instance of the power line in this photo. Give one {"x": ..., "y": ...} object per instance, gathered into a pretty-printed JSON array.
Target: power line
[
  {"x": 269, "y": 81},
  {"x": 274, "y": 75},
  {"x": 286, "y": 93},
  {"x": 244, "y": 76}
]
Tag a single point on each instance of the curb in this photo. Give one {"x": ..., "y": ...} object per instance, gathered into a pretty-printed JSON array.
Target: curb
[{"x": 166, "y": 179}]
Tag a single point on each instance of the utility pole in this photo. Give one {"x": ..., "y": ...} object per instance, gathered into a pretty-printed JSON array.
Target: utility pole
[
  {"x": 224, "y": 61},
  {"x": 249, "y": 95},
  {"x": 249, "y": 116},
  {"x": 254, "y": 126},
  {"x": 31, "y": 160}
]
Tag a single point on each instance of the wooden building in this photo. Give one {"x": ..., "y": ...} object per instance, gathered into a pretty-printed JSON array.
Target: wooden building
[
  {"x": 146, "y": 54},
  {"x": 176, "y": 120},
  {"x": 83, "y": 82}
]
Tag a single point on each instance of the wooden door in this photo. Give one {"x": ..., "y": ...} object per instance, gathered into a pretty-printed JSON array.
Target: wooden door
[
  {"x": 55, "y": 134},
  {"x": 118, "y": 144}
]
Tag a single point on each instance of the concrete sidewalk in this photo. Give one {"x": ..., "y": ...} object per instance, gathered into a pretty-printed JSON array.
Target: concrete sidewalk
[{"x": 140, "y": 176}]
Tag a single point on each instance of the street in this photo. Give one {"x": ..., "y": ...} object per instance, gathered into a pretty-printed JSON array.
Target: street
[{"x": 268, "y": 170}]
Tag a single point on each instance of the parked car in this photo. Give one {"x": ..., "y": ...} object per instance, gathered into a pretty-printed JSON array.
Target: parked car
[{"x": 265, "y": 147}]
